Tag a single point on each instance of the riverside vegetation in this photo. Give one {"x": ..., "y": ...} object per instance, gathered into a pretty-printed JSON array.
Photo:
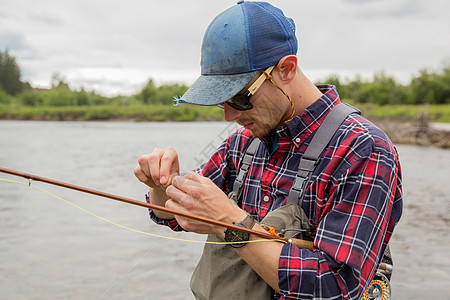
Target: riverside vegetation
[{"x": 426, "y": 98}]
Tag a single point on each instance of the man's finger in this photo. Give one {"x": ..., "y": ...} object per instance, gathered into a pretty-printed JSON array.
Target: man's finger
[
  {"x": 196, "y": 177},
  {"x": 140, "y": 174},
  {"x": 143, "y": 165},
  {"x": 178, "y": 196},
  {"x": 154, "y": 165},
  {"x": 188, "y": 186},
  {"x": 168, "y": 159}
]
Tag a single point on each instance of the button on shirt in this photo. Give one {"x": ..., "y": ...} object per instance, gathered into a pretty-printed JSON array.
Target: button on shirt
[{"x": 354, "y": 198}]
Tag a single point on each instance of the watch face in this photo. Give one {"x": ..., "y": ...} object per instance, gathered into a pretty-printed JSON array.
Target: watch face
[{"x": 232, "y": 235}]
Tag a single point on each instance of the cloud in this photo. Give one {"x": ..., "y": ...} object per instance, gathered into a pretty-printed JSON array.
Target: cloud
[
  {"x": 12, "y": 41},
  {"x": 116, "y": 46},
  {"x": 360, "y": 1},
  {"x": 45, "y": 18},
  {"x": 384, "y": 9}
]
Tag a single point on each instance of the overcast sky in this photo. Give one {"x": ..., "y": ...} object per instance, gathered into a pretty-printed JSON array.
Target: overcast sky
[{"x": 117, "y": 46}]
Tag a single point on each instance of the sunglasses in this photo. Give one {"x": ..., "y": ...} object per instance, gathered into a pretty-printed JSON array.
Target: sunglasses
[{"x": 242, "y": 101}]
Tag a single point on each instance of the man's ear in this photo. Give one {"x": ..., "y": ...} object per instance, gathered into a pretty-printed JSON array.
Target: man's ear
[{"x": 287, "y": 67}]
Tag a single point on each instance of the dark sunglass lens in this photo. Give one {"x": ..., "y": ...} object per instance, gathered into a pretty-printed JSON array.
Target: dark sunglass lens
[
  {"x": 233, "y": 105},
  {"x": 242, "y": 101}
]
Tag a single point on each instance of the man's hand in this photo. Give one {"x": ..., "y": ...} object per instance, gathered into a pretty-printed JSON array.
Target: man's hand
[
  {"x": 157, "y": 170},
  {"x": 198, "y": 195}
]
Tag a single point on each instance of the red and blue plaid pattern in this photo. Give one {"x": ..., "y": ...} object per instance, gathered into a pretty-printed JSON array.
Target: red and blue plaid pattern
[{"x": 354, "y": 198}]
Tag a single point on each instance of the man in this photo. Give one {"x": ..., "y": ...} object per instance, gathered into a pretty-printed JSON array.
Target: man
[{"x": 353, "y": 199}]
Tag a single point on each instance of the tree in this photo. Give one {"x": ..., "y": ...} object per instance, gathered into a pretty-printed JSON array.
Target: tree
[
  {"x": 384, "y": 90},
  {"x": 9, "y": 74},
  {"x": 58, "y": 81},
  {"x": 431, "y": 87},
  {"x": 148, "y": 93}
]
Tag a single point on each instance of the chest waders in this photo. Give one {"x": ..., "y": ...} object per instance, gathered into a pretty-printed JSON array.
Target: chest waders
[{"x": 221, "y": 273}]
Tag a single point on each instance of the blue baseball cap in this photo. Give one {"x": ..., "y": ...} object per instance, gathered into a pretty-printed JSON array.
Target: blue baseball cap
[{"x": 240, "y": 41}]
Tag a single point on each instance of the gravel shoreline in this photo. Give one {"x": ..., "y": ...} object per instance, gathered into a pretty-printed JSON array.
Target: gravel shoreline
[{"x": 419, "y": 133}]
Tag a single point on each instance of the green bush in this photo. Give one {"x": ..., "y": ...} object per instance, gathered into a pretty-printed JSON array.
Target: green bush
[
  {"x": 30, "y": 98},
  {"x": 5, "y": 98},
  {"x": 60, "y": 96}
]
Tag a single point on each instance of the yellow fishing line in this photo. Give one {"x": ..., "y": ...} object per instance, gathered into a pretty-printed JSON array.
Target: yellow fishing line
[{"x": 125, "y": 227}]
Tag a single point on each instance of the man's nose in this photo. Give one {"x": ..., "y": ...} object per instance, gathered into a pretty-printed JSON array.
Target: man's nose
[{"x": 230, "y": 114}]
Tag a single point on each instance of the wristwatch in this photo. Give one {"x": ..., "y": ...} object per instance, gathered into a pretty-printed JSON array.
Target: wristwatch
[{"x": 233, "y": 236}]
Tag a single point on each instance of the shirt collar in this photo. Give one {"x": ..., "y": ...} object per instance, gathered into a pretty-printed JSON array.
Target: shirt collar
[{"x": 304, "y": 124}]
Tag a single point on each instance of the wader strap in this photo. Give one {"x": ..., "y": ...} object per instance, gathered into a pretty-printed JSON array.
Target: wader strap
[
  {"x": 318, "y": 143},
  {"x": 249, "y": 153}
]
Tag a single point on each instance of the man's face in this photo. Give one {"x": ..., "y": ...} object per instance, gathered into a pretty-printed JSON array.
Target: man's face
[{"x": 270, "y": 109}]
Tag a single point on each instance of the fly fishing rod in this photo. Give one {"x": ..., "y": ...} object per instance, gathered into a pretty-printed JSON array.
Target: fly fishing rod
[{"x": 298, "y": 242}]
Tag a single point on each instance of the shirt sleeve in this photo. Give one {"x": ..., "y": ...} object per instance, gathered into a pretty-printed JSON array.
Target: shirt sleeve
[
  {"x": 356, "y": 222},
  {"x": 172, "y": 224}
]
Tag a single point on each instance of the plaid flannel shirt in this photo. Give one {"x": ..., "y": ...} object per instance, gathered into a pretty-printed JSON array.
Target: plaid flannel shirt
[{"x": 354, "y": 198}]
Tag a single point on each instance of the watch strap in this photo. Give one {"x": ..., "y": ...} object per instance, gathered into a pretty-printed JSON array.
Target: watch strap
[{"x": 248, "y": 222}]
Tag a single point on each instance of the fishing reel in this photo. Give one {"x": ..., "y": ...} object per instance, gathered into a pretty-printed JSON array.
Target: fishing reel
[
  {"x": 380, "y": 286},
  {"x": 378, "y": 289}
]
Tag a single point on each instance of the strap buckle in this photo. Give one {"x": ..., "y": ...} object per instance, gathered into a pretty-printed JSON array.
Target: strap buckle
[
  {"x": 299, "y": 184},
  {"x": 243, "y": 172}
]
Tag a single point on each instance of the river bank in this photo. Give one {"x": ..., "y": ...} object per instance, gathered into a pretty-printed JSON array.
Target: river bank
[
  {"x": 404, "y": 124},
  {"x": 423, "y": 134}
]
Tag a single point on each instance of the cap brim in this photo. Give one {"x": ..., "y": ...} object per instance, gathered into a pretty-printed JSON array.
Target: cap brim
[{"x": 216, "y": 89}]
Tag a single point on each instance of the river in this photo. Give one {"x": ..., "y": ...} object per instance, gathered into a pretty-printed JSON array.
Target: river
[{"x": 51, "y": 250}]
